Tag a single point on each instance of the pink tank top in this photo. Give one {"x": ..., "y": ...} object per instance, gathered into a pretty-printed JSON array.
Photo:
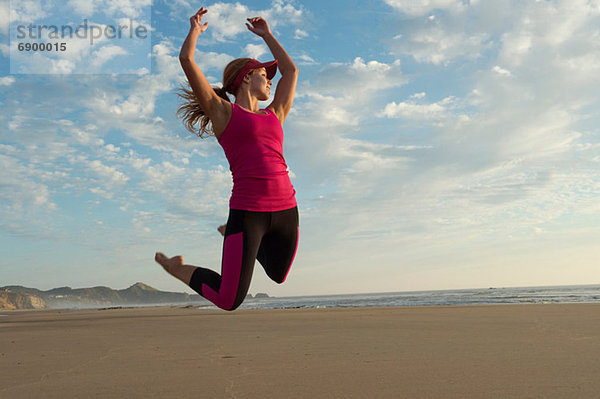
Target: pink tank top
[{"x": 253, "y": 145}]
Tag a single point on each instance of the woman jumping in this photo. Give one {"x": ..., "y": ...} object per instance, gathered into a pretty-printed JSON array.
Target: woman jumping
[{"x": 263, "y": 216}]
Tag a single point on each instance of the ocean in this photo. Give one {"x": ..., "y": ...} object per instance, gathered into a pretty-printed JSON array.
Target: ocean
[{"x": 482, "y": 296}]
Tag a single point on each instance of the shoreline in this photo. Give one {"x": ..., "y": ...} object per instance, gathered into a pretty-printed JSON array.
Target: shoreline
[
  {"x": 212, "y": 307},
  {"x": 480, "y": 351}
]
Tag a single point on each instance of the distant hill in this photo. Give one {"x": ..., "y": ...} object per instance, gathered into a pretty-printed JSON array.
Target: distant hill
[
  {"x": 17, "y": 300},
  {"x": 15, "y": 297}
]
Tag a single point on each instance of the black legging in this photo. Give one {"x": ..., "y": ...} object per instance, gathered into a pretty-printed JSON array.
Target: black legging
[{"x": 270, "y": 237}]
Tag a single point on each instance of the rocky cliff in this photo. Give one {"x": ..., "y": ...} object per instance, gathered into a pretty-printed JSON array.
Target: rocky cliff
[
  {"x": 17, "y": 300},
  {"x": 137, "y": 294}
]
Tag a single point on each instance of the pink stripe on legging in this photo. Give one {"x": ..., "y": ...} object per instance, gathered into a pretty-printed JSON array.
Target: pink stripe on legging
[
  {"x": 293, "y": 257},
  {"x": 231, "y": 271}
]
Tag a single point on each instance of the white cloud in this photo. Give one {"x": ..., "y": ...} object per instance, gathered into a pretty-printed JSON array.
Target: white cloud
[
  {"x": 20, "y": 189},
  {"x": 562, "y": 34},
  {"x": 327, "y": 110},
  {"x": 142, "y": 71},
  {"x": 85, "y": 8},
  {"x": 7, "y": 80},
  {"x": 227, "y": 20},
  {"x": 26, "y": 207},
  {"x": 106, "y": 175},
  {"x": 112, "y": 148},
  {"x": 341, "y": 91},
  {"x": 455, "y": 30},
  {"x": 256, "y": 50},
  {"x": 211, "y": 61},
  {"x": 129, "y": 8},
  {"x": 282, "y": 12},
  {"x": 300, "y": 34},
  {"x": 359, "y": 76},
  {"x": 424, "y": 7},
  {"x": 61, "y": 67},
  {"x": 501, "y": 71},
  {"x": 133, "y": 110},
  {"x": 102, "y": 193},
  {"x": 413, "y": 110},
  {"x": 439, "y": 45},
  {"x": 183, "y": 191},
  {"x": 27, "y": 11},
  {"x": 105, "y": 54},
  {"x": 304, "y": 59},
  {"x": 165, "y": 56}
]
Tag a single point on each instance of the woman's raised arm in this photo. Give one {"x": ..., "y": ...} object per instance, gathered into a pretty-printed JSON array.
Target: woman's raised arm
[
  {"x": 286, "y": 88},
  {"x": 215, "y": 107}
]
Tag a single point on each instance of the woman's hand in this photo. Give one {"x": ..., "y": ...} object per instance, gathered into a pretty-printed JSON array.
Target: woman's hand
[
  {"x": 196, "y": 21},
  {"x": 258, "y": 26}
]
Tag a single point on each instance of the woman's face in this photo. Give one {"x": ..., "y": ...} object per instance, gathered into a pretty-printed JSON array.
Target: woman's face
[{"x": 260, "y": 86}]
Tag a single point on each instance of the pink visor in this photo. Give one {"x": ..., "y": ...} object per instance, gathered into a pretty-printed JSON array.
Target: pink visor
[{"x": 270, "y": 67}]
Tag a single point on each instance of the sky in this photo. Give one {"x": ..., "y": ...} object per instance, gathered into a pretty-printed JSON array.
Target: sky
[{"x": 434, "y": 144}]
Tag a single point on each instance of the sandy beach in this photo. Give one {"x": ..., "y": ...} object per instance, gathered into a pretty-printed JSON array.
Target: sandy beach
[{"x": 502, "y": 351}]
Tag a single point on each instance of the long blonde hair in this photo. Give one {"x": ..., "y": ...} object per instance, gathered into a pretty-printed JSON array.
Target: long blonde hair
[{"x": 191, "y": 113}]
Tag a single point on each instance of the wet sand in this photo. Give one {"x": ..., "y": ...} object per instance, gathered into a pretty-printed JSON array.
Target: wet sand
[{"x": 501, "y": 351}]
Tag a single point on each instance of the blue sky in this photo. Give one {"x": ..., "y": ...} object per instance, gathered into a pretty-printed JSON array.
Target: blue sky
[{"x": 434, "y": 144}]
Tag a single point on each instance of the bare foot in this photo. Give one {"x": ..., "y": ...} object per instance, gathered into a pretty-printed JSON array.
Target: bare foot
[
  {"x": 169, "y": 264},
  {"x": 222, "y": 229},
  {"x": 175, "y": 267}
]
